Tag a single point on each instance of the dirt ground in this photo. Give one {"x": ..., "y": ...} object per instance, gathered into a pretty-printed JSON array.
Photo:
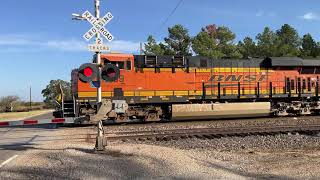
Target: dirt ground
[{"x": 75, "y": 159}]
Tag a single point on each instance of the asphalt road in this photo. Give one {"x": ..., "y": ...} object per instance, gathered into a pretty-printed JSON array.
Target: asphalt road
[
  {"x": 43, "y": 116},
  {"x": 16, "y": 140}
]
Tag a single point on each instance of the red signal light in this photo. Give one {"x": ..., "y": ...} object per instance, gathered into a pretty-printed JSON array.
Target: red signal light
[{"x": 87, "y": 71}]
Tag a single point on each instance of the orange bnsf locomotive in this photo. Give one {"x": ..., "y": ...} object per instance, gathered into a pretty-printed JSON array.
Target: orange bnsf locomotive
[{"x": 153, "y": 88}]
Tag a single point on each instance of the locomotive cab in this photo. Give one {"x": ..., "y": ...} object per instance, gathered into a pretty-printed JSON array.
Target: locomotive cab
[{"x": 122, "y": 61}]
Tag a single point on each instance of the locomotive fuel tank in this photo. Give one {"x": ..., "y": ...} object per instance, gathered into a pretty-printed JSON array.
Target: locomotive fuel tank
[{"x": 220, "y": 110}]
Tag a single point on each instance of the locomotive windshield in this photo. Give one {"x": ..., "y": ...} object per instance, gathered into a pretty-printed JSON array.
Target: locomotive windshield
[{"x": 119, "y": 64}]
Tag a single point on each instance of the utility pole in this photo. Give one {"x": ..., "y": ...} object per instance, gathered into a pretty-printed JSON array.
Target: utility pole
[
  {"x": 141, "y": 50},
  {"x": 30, "y": 99}
]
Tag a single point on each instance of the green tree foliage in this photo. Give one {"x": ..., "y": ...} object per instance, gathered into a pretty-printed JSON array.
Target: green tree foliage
[
  {"x": 226, "y": 45},
  {"x": 204, "y": 45},
  {"x": 178, "y": 40},
  {"x": 247, "y": 48},
  {"x": 152, "y": 47},
  {"x": 285, "y": 42},
  {"x": 288, "y": 41},
  {"x": 266, "y": 43},
  {"x": 215, "y": 42},
  {"x": 309, "y": 46},
  {"x": 218, "y": 42},
  {"x": 52, "y": 91}
]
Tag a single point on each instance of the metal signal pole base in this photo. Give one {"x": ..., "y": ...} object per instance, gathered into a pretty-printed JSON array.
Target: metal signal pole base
[{"x": 101, "y": 142}]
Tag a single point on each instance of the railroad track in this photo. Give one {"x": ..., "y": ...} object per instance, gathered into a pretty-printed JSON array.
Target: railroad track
[{"x": 210, "y": 133}]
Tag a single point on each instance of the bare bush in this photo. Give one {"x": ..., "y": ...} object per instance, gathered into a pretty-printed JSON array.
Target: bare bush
[{"x": 8, "y": 103}]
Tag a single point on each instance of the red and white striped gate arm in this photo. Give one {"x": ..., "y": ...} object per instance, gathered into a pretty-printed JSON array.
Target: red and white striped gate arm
[{"x": 36, "y": 122}]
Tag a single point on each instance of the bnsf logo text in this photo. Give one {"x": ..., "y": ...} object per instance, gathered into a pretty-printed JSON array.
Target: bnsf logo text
[{"x": 238, "y": 78}]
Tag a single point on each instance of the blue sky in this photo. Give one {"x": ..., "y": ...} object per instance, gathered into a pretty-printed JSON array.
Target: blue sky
[{"x": 40, "y": 42}]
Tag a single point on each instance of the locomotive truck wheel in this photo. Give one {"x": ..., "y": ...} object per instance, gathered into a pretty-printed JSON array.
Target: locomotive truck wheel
[
  {"x": 152, "y": 117},
  {"x": 121, "y": 118}
]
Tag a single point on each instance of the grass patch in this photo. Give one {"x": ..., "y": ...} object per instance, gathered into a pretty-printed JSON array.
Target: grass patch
[{"x": 21, "y": 115}]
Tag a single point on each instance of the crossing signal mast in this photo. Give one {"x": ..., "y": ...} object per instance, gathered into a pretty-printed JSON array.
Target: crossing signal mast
[
  {"x": 94, "y": 72},
  {"x": 97, "y": 30}
]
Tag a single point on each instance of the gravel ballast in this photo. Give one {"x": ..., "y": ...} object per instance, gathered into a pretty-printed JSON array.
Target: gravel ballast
[
  {"x": 259, "y": 143},
  {"x": 262, "y": 122},
  {"x": 282, "y": 156}
]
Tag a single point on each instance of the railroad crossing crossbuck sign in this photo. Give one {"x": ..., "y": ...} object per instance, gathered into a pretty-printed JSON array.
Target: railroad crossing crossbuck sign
[{"x": 98, "y": 26}]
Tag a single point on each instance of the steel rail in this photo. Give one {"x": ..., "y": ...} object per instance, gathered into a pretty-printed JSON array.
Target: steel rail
[{"x": 212, "y": 132}]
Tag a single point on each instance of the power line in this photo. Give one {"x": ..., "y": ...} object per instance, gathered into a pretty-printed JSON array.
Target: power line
[{"x": 172, "y": 12}]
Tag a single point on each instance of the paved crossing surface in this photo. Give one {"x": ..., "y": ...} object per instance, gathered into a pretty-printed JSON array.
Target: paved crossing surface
[
  {"x": 16, "y": 140},
  {"x": 43, "y": 116}
]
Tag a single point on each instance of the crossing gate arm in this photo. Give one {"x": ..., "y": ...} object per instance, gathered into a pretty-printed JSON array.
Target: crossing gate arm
[{"x": 37, "y": 122}]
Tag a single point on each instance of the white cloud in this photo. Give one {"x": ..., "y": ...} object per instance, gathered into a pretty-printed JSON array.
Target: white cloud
[
  {"x": 14, "y": 39},
  {"x": 124, "y": 46},
  {"x": 25, "y": 43},
  {"x": 68, "y": 45},
  {"x": 310, "y": 16}
]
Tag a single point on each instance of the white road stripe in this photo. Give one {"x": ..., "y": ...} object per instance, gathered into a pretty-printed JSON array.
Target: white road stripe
[{"x": 8, "y": 160}]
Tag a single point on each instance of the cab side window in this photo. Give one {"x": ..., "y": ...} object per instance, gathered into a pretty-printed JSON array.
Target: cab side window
[
  {"x": 128, "y": 67},
  {"x": 120, "y": 65}
]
